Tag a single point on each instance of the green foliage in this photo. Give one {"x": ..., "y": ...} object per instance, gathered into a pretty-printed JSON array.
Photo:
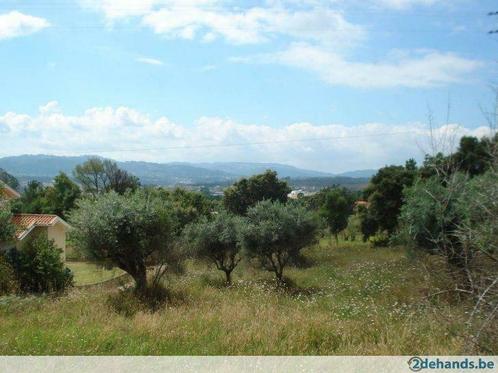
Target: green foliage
[
  {"x": 33, "y": 199},
  {"x": 275, "y": 233},
  {"x": 62, "y": 196},
  {"x": 99, "y": 176},
  {"x": 353, "y": 229},
  {"x": 379, "y": 239},
  {"x": 128, "y": 231},
  {"x": 336, "y": 209},
  {"x": 478, "y": 205},
  {"x": 187, "y": 206},
  {"x": 385, "y": 195},
  {"x": 7, "y": 229},
  {"x": 216, "y": 240},
  {"x": 57, "y": 199},
  {"x": 8, "y": 282},
  {"x": 455, "y": 218},
  {"x": 247, "y": 192},
  {"x": 430, "y": 217},
  {"x": 8, "y": 179},
  {"x": 473, "y": 157},
  {"x": 39, "y": 268}
]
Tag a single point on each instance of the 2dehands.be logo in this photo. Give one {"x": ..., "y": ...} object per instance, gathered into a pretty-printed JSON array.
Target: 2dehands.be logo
[{"x": 416, "y": 364}]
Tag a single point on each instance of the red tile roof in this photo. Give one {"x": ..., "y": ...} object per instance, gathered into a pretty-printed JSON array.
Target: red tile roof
[{"x": 26, "y": 222}]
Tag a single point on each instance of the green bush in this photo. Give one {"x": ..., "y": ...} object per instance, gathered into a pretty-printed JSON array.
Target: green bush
[
  {"x": 38, "y": 267},
  {"x": 8, "y": 283},
  {"x": 380, "y": 239}
]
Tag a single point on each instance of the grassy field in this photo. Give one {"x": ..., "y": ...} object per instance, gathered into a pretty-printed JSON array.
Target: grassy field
[
  {"x": 352, "y": 300},
  {"x": 88, "y": 273}
]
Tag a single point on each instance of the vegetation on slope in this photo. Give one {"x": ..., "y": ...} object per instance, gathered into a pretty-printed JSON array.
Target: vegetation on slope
[{"x": 352, "y": 300}]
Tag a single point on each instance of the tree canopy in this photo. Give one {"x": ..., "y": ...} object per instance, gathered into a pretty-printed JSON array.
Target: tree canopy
[
  {"x": 216, "y": 240},
  {"x": 336, "y": 209},
  {"x": 128, "y": 231},
  {"x": 275, "y": 233},
  {"x": 385, "y": 195},
  {"x": 247, "y": 192},
  {"x": 58, "y": 198},
  {"x": 103, "y": 175}
]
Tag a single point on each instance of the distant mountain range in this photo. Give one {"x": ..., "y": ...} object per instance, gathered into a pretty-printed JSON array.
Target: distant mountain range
[{"x": 45, "y": 167}]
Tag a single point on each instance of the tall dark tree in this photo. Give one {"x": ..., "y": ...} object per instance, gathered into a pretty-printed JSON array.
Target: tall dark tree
[
  {"x": 119, "y": 180},
  {"x": 33, "y": 199},
  {"x": 61, "y": 197},
  {"x": 99, "y": 176},
  {"x": 247, "y": 192},
  {"x": 336, "y": 209},
  {"x": 473, "y": 156},
  {"x": 385, "y": 196}
]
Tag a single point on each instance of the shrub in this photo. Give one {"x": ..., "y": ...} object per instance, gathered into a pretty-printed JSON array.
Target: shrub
[
  {"x": 38, "y": 267},
  {"x": 380, "y": 239},
  {"x": 8, "y": 283},
  {"x": 353, "y": 230}
]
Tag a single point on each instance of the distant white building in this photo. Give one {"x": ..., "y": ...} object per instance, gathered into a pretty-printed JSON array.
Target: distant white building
[{"x": 295, "y": 194}]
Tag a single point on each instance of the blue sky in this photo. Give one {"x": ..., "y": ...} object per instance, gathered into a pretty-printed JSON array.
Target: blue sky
[{"x": 170, "y": 80}]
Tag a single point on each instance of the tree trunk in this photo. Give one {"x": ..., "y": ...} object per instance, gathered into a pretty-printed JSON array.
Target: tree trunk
[
  {"x": 228, "y": 274},
  {"x": 140, "y": 277},
  {"x": 279, "y": 275},
  {"x": 336, "y": 239}
]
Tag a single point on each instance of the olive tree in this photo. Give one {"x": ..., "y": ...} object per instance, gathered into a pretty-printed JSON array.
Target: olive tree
[
  {"x": 216, "y": 240},
  {"x": 129, "y": 231},
  {"x": 275, "y": 233}
]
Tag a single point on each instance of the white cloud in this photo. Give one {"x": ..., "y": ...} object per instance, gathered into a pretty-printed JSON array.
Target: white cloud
[
  {"x": 15, "y": 24},
  {"x": 212, "y": 19},
  {"x": 402, "y": 69},
  {"x": 123, "y": 133},
  {"x": 150, "y": 61},
  {"x": 50, "y": 107},
  {"x": 404, "y": 4}
]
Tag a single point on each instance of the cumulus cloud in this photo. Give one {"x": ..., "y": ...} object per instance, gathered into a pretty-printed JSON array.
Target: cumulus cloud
[
  {"x": 15, "y": 24},
  {"x": 126, "y": 134}
]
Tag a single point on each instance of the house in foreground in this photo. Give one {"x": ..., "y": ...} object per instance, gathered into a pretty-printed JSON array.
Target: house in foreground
[{"x": 29, "y": 226}]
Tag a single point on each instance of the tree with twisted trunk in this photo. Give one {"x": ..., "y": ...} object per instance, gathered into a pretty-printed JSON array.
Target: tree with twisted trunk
[
  {"x": 128, "y": 231},
  {"x": 275, "y": 233},
  {"x": 216, "y": 240}
]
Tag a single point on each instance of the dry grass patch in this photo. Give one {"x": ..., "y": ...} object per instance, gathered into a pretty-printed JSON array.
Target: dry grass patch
[{"x": 354, "y": 300}]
